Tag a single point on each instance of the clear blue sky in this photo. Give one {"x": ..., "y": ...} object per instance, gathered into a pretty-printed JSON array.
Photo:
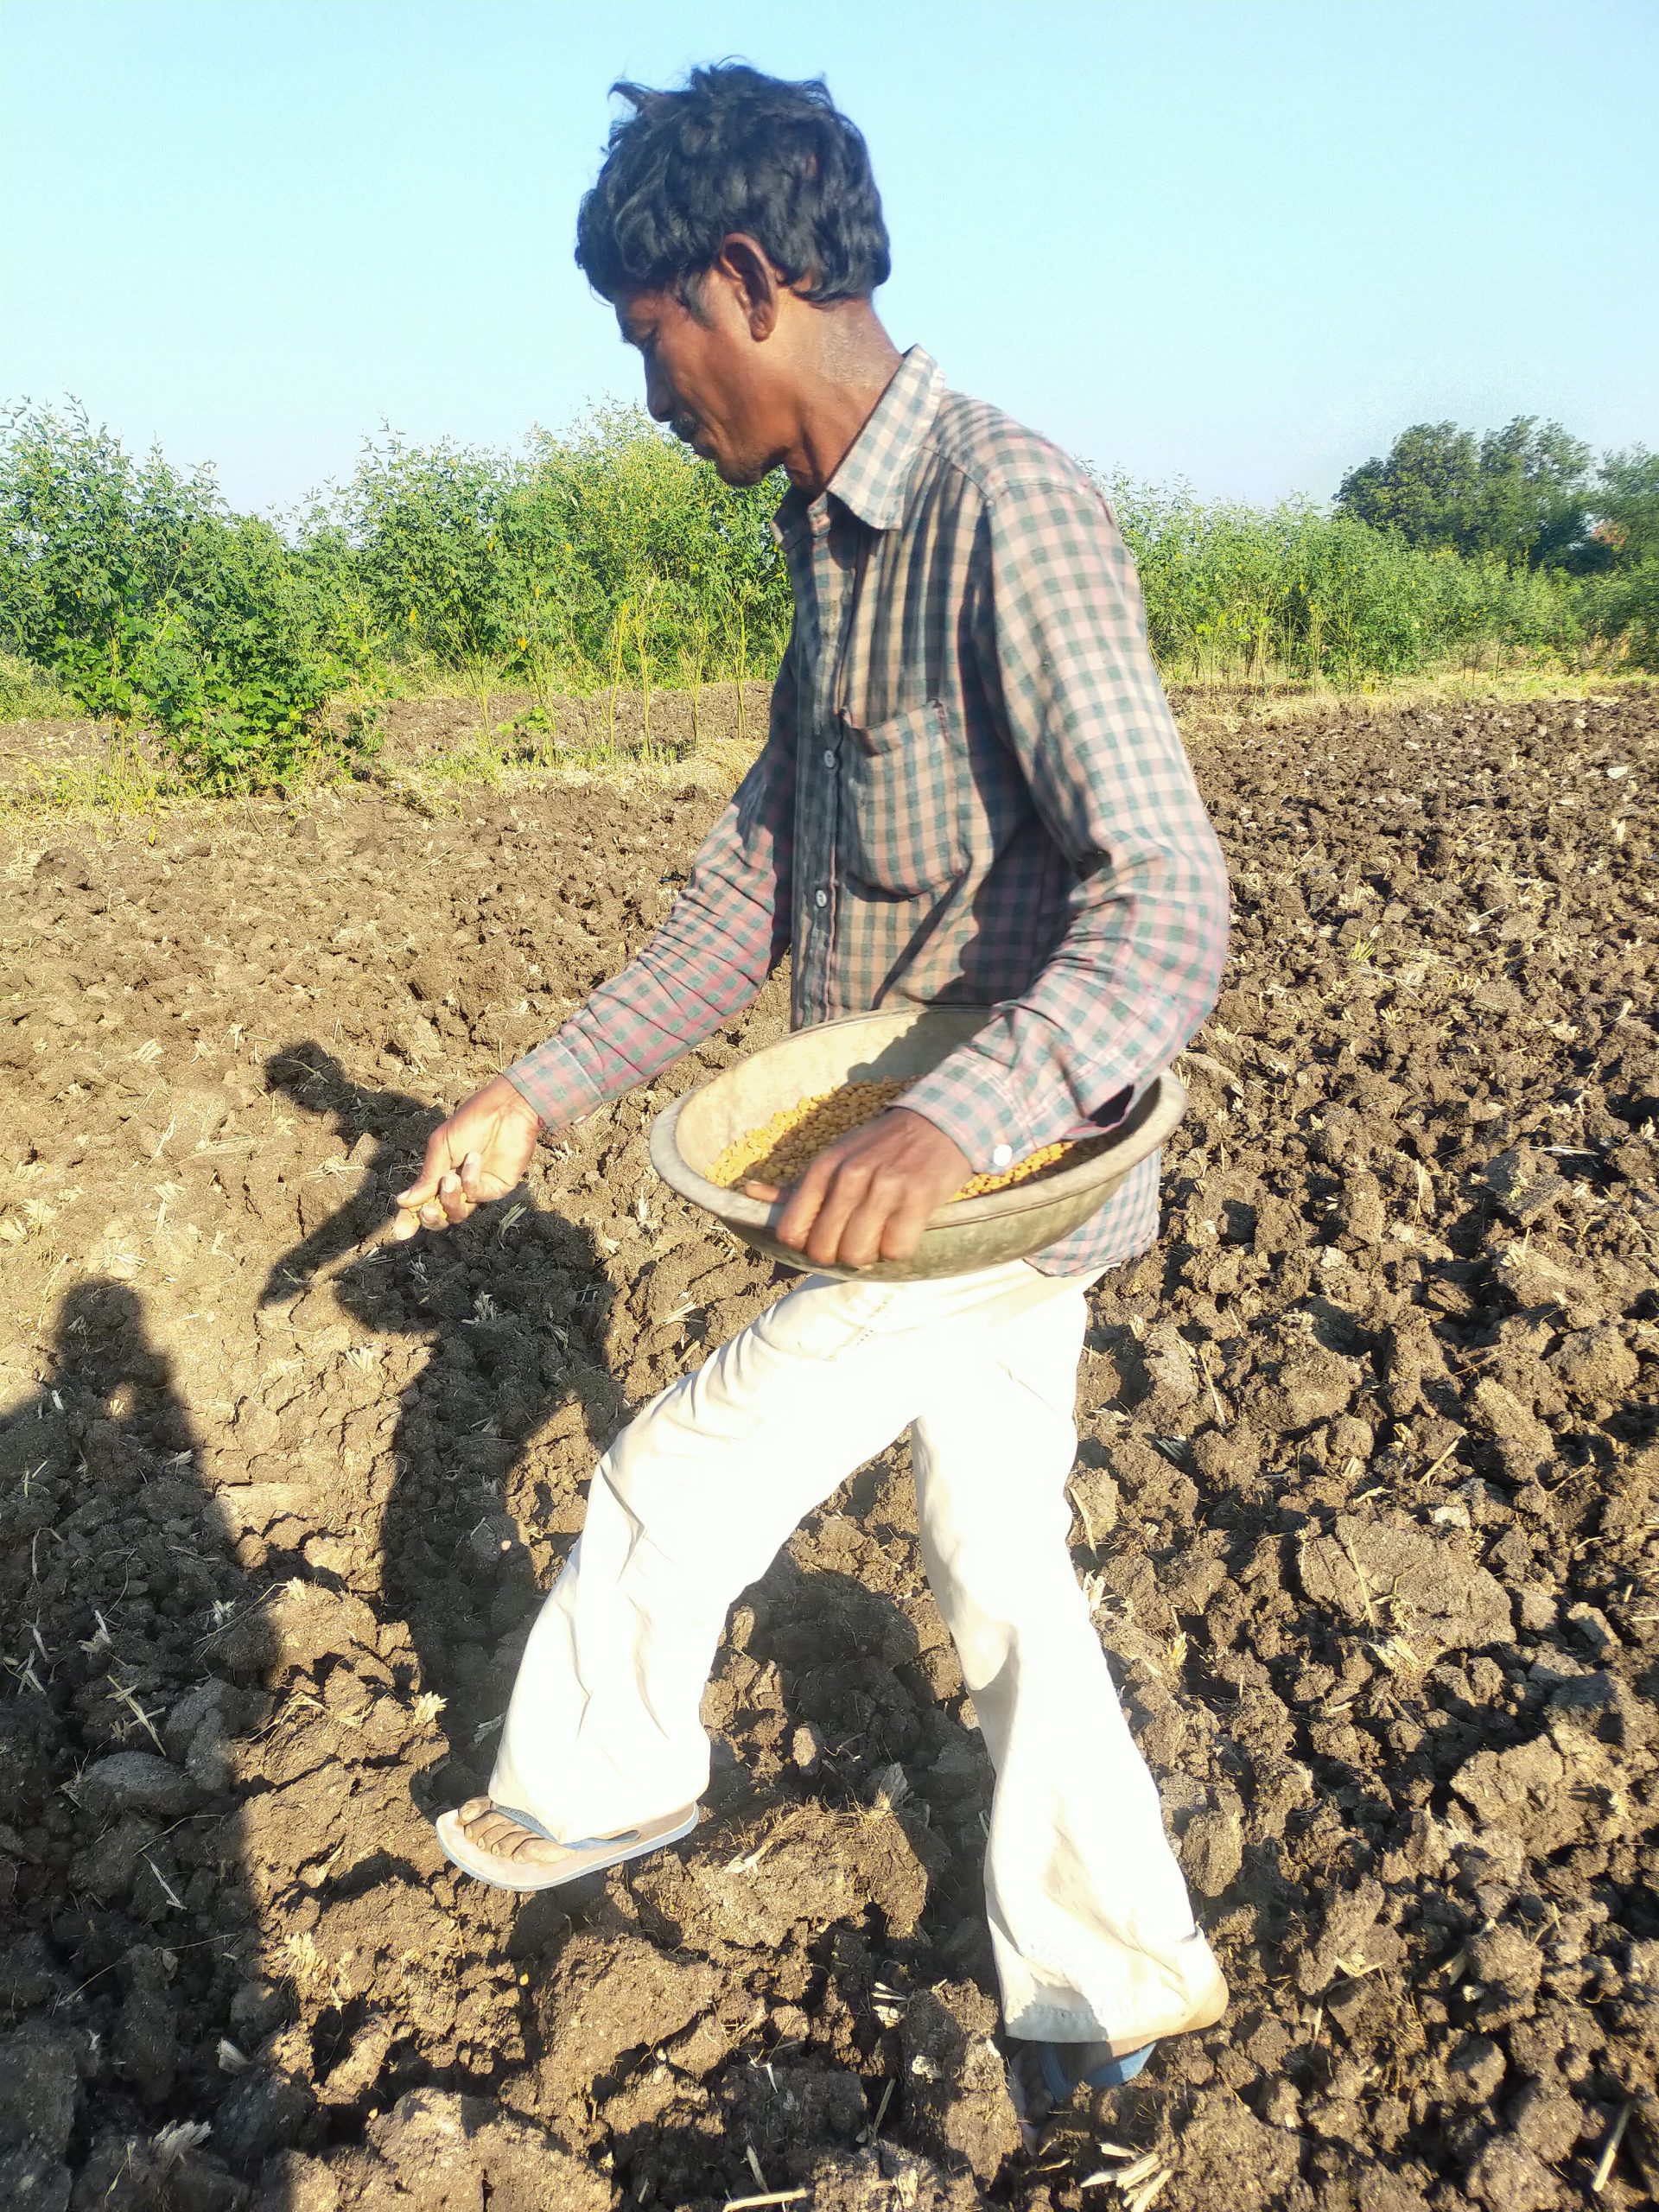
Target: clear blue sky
[{"x": 1237, "y": 241}]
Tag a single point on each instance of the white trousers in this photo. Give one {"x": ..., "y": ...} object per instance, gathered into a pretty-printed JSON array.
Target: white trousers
[{"x": 1091, "y": 1924}]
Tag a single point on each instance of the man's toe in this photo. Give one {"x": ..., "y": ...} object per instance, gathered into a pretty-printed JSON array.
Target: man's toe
[{"x": 497, "y": 1832}]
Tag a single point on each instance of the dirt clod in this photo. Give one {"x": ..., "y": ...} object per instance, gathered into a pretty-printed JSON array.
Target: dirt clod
[
  {"x": 1395, "y": 1579},
  {"x": 957, "y": 2092},
  {"x": 449, "y": 2152},
  {"x": 38, "y": 2081}
]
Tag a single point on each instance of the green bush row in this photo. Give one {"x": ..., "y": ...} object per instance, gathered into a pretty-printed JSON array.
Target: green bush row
[
  {"x": 1234, "y": 590},
  {"x": 610, "y": 556}
]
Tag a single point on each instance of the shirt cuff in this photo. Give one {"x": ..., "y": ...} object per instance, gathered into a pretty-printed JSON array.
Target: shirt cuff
[
  {"x": 550, "y": 1082},
  {"x": 968, "y": 1097}
]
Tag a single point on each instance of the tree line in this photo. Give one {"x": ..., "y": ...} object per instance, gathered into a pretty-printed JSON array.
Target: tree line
[
  {"x": 132, "y": 591},
  {"x": 1530, "y": 493}
]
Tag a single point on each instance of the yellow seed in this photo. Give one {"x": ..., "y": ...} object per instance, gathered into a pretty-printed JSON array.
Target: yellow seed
[{"x": 783, "y": 1149}]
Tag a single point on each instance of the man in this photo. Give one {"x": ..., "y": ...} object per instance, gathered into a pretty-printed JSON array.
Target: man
[{"x": 972, "y": 791}]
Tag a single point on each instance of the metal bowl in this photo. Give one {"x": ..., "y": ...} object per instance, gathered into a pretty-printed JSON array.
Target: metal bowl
[{"x": 688, "y": 1137}]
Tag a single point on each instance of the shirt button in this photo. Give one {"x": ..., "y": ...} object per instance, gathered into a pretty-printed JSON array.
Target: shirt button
[
  {"x": 1003, "y": 1156},
  {"x": 828, "y": 758},
  {"x": 821, "y": 899}
]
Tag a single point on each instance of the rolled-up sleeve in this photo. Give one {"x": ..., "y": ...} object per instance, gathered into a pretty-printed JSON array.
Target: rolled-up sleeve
[
  {"x": 1063, "y": 642},
  {"x": 725, "y": 933}
]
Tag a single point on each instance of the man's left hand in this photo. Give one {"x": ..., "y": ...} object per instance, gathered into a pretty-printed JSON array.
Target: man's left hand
[{"x": 870, "y": 1196}]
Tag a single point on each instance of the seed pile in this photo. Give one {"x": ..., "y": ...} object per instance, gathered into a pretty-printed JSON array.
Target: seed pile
[
  {"x": 782, "y": 1149},
  {"x": 1039, "y": 1163}
]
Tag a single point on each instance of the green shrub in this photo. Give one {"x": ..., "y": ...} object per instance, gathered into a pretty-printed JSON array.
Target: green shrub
[
  {"x": 1622, "y": 607},
  {"x": 1235, "y": 591},
  {"x": 612, "y": 556},
  {"x": 27, "y": 692},
  {"x": 148, "y": 599}
]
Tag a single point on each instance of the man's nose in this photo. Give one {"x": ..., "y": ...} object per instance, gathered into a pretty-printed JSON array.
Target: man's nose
[{"x": 660, "y": 395}]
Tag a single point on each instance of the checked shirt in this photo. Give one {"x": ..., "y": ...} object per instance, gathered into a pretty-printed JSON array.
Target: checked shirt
[{"x": 972, "y": 792}]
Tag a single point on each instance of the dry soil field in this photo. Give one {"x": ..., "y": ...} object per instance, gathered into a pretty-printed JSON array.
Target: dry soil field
[{"x": 1366, "y": 1503}]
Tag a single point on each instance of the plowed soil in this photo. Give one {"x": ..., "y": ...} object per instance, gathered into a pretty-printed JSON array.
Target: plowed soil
[{"x": 1365, "y": 1507}]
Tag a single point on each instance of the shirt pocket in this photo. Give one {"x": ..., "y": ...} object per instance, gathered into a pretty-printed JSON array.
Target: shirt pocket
[{"x": 902, "y": 793}]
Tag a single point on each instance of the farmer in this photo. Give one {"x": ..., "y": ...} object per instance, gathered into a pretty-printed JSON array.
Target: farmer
[{"x": 972, "y": 791}]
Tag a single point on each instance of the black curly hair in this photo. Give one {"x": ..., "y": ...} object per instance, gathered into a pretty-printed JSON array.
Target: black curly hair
[{"x": 734, "y": 150}]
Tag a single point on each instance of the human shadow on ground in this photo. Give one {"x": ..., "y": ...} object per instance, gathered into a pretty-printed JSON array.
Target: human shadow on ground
[
  {"x": 130, "y": 1942},
  {"x": 512, "y": 1308},
  {"x": 853, "y": 1673}
]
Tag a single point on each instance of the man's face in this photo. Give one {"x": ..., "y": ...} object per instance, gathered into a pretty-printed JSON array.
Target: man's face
[{"x": 702, "y": 375}]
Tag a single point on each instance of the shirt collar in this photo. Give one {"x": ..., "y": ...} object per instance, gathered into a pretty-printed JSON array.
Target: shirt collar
[{"x": 875, "y": 469}]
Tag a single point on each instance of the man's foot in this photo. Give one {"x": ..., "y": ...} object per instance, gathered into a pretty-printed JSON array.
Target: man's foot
[
  {"x": 511, "y": 1850},
  {"x": 1044, "y": 2076}
]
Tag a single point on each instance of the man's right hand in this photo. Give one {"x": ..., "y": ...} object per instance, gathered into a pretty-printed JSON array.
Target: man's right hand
[{"x": 476, "y": 1156}]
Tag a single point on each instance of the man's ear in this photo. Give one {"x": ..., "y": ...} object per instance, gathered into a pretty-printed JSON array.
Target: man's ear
[{"x": 757, "y": 286}]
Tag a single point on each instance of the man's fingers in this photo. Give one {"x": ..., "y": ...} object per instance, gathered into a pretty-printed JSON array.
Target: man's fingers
[
  {"x": 446, "y": 1204},
  {"x": 804, "y": 1214},
  {"x": 860, "y": 1241},
  {"x": 842, "y": 1201},
  {"x": 419, "y": 1207},
  {"x": 803, "y": 1208},
  {"x": 454, "y": 1201},
  {"x": 902, "y": 1230},
  {"x": 863, "y": 1236},
  {"x": 434, "y": 1165},
  {"x": 768, "y": 1194},
  {"x": 905, "y": 1218},
  {"x": 440, "y": 1155},
  {"x": 442, "y": 1197}
]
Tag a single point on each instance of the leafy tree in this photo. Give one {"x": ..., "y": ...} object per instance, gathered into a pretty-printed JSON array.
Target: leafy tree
[
  {"x": 1521, "y": 493},
  {"x": 1535, "y": 501},
  {"x": 145, "y": 598},
  {"x": 1424, "y": 488},
  {"x": 1627, "y": 504}
]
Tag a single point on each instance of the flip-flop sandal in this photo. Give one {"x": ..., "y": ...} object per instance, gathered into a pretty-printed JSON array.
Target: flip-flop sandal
[
  {"x": 1040, "y": 2085},
  {"x": 1111, "y": 2073},
  {"x": 591, "y": 1856}
]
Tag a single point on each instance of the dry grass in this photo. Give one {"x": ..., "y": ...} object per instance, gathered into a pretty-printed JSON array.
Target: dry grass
[
  {"x": 126, "y": 781},
  {"x": 1210, "y": 711}
]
